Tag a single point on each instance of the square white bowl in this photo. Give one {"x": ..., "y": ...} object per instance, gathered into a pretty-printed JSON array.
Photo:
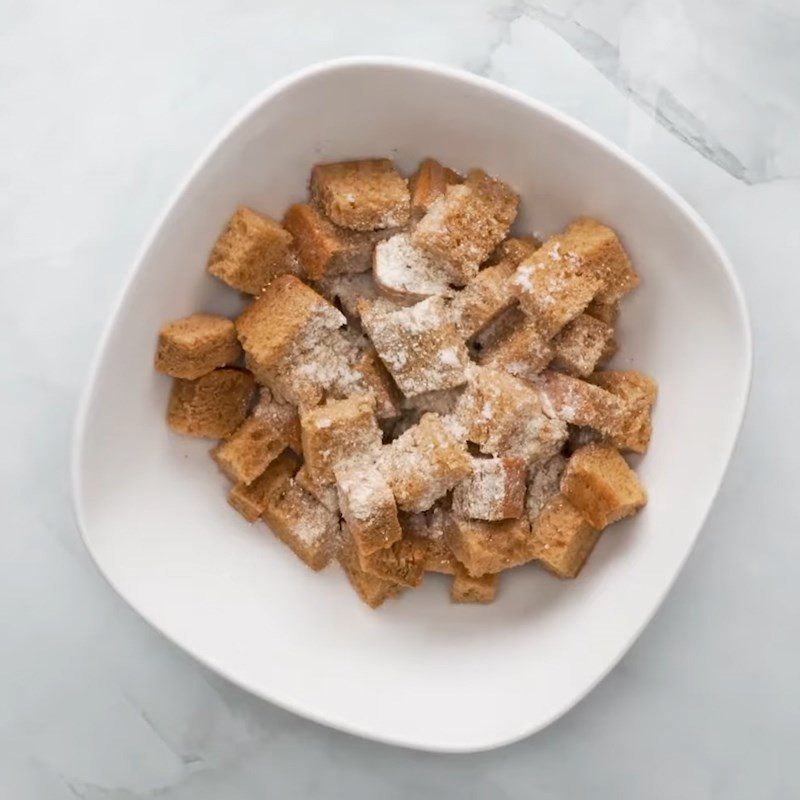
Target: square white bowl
[{"x": 419, "y": 672}]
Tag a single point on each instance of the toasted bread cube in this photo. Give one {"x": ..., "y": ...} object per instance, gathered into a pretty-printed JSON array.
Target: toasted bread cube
[
  {"x": 562, "y": 538},
  {"x": 251, "y": 251},
  {"x": 323, "y": 248},
  {"x": 600, "y": 484},
  {"x": 581, "y": 344},
  {"x": 463, "y": 227},
  {"x": 638, "y": 393},
  {"x": 363, "y": 195},
  {"x": 523, "y": 352},
  {"x": 371, "y": 589},
  {"x": 193, "y": 346},
  {"x": 403, "y": 271},
  {"x": 368, "y": 507},
  {"x": 581, "y": 403},
  {"x": 271, "y": 427},
  {"x": 213, "y": 405},
  {"x": 251, "y": 499},
  {"x": 428, "y": 530},
  {"x": 302, "y": 523},
  {"x": 487, "y": 547},
  {"x": 596, "y": 248},
  {"x": 497, "y": 330},
  {"x": 494, "y": 490},
  {"x": 467, "y": 589},
  {"x": 428, "y": 184},
  {"x": 543, "y": 482},
  {"x": 424, "y": 464},
  {"x": 339, "y": 432},
  {"x": 552, "y": 289},
  {"x": 419, "y": 345},
  {"x": 402, "y": 563},
  {"x": 482, "y": 300},
  {"x": 327, "y": 495},
  {"x": 503, "y": 416},
  {"x": 604, "y": 310},
  {"x": 378, "y": 382},
  {"x": 514, "y": 250}
]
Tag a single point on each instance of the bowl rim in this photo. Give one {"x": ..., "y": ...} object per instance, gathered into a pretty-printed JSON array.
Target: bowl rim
[{"x": 366, "y": 62}]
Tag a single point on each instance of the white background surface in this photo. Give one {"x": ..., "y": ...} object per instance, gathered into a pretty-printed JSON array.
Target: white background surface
[{"x": 103, "y": 108}]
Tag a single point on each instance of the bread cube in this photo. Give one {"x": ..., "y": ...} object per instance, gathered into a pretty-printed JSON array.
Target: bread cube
[
  {"x": 463, "y": 227},
  {"x": 582, "y": 344},
  {"x": 482, "y": 300},
  {"x": 523, "y": 353},
  {"x": 467, "y": 589},
  {"x": 596, "y": 248},
  {"x": 419, "y": 345},
  {"x": 543, "y": 482},
  {"x": 192, "y": 346},
  {"x": 377, "y": 382},
  {"x": 424, "y": 464},
  {"x": 213, "y": 405},
  {"x": 402, "y": 563},
  {"x": 368, "y": 507},
  {"x": 371, "y": 589},
  {"x": 504, "y": 416},
  {"x": 638, "y": 393},
  {"x": 562, "y": 538},
  {"x": 428, "y": 184},
  {"x": 428, "y": 530},
  {"x": 604, "y": 310},
  {"x": 323, "y": 248},
  {"x": 251, "y": 499},
  {"x": 497, "y": 330},
  {"x": 338, "y": 432},
  {"x": 488, "y": 547},
  {"x": 403, "y": 271},
  {"x": 251, "y": 251},
  {"x": 327, "y": 494},
  {"x": 362, "y": 195},
  {"x": 600, "y": 484},
  {"x": 514, "y": 250},
  {"x": 552, "y": 288},
  {"x": 302, "y": 523},
  {"x": 495, "y": 489}
]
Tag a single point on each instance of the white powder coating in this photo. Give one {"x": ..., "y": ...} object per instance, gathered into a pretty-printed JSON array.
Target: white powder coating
[
  {"x": 323, "y": 422},
  {"x": 482, "y": 494},
  {"x": 400, "y": 267},
  {"x": 554, "y": 252},
  {"x": 449, "y": 356},
  {"x": 304, "y": 517},
  {"x": 363, "y": 492},
  {"x": 522, "y": 278},
  {"x": 543, "y": 484}
]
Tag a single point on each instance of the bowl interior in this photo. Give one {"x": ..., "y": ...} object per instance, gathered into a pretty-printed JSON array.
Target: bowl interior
[{"x": 420, "y": 671}]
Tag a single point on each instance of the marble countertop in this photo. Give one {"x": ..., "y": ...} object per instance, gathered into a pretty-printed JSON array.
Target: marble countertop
[{"x": 104, "y": 107}]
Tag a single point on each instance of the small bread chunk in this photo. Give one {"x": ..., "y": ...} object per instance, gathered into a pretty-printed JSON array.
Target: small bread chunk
[
  {"x": 543, "y": 481},
  {"x": 371, "y": 589},
  {"x": 323, "y": 248},
  {"x": 302, "y": 523},
  {"x": 368, "y": 507},
  {"x": 467, "y": 589},
  {"x": 363, "y": 195},
  {"x": 428, "y": 530},
  {"x": 497, "y": 330},
  {"x": 482, "y": 300},
  {"x": 402, "y": 563},
  {"x": 405, "y": 272},
  {"x": 486, "y": 547},
  {"x": 419, "y": 345},
  {"x": 604, "y": 310},
  {"x": 581, "y": 403},
  {"x": 494, "y": 490},
  {"x": 213, "y": 405},
  {"x": 552, "y": 288},
  {"x": 251, "y": 251},
  {"x": 638, "y": 392},
  {"x": 270, "y": 428},
  {"x": 338, "y": 432},
  {"x": 327, "y": 495},
  {"x": 600, "y": 484},
  {"x": 581, "y": 345},
  {"x": 378, "y": 382},
  {"x": 428, "y": 184},
  {"x": 193, "y": 346},
  {"x": 596, "y": 248},
  {"x": 562, "y": 538},
  {"x": 514, "y": 250},
  {"x": 423, "y": 464},
  {"x": 523, "y": 352},
  {"x": 462, "y": 228},
  {"x": 251, "y": 499},
  {"x": 503, "y": 416}
]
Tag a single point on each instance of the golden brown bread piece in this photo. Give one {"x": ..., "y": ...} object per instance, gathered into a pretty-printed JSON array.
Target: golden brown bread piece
[
  {"x": 192, "y": 346},
  {"x": 466, "y": 588},
  {"x": 251, "y": 499}
]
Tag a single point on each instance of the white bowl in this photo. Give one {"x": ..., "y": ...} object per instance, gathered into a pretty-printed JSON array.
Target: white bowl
[{"x": 419, "y": 672}]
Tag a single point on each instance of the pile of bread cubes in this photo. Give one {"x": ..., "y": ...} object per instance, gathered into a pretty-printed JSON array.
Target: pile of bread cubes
[{"x": 410, "y": 389}]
